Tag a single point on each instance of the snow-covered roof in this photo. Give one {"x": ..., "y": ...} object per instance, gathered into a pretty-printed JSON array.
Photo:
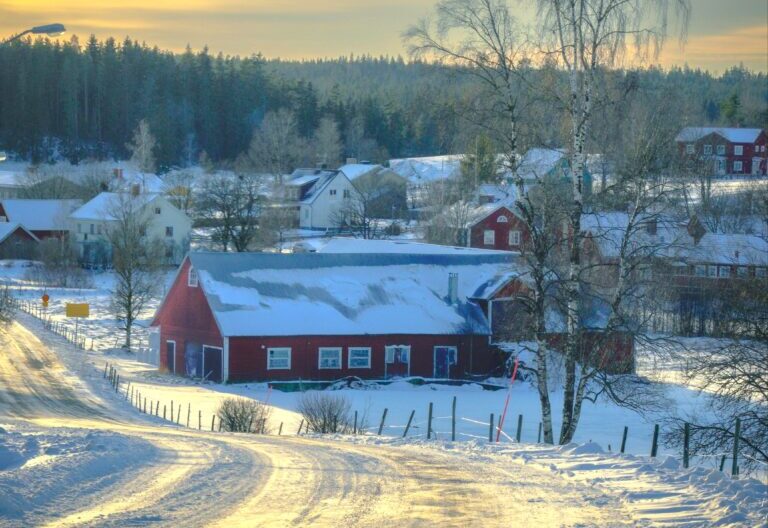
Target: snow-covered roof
[
  {"x": 102, "y": 205},
  {"x": 268, "y": 294},
  {"x": 733, "y": 249},
  {"x": 427, "y": 169},
  {"x": 40, "y": 215},
  {"x": 355, "y": 170},
  {"x": 8, "y": 228},
  {"x": 149, "y": 182},
  {"x": 539, "y": 162},
  {"x": 481, "y": 212},
  {"x": 11, "y": 172},
  {"x": 498, "y": 192},
  {"x": 356, "y": 245},
  {"x": 325, "y": 179},
  {"x": 303, "y": 180},
  {"x": 734, "y": 135}
]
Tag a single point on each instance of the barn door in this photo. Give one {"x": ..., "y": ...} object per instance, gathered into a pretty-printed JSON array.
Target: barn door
[
  {"x": 193, "y": 360},
  {"x": 212, "y": 363},
  {"x": 397, "y": 361},
  {"x": 445, "y": 356},
  {"x": 170, "y": 356}
]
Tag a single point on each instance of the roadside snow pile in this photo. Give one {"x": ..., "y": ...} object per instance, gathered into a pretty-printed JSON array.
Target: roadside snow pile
[
  {"x": 655, "y": 491},
  {"x": 48, "y": 470}
]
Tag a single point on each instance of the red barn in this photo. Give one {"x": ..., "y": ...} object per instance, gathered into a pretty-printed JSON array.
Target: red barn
[
  {"x": 43, "y": 218},
  {"x": 262, "y": 316},
  {"x": 16, "y": 242}
]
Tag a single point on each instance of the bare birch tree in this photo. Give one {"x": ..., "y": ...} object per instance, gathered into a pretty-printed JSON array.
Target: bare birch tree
[
  {"x": 142, "y": 147},
  {"x": 136, "y": 259}
]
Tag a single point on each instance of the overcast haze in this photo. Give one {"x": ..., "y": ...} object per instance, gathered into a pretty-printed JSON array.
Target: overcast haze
[{"x": 721, "y": 34}]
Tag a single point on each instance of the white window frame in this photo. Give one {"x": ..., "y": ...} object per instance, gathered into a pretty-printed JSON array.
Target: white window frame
[
  {"x": 502, "y": 219},
  {"x": 278, "y": 349},
  {"x": 489, "y": 235},
  {"x": 711, "y": 271},
  {"x": 707, "y": 150},
  {"x": 724, "y": 272},
  {"x": 357, "y": 349},
  {"x": 700, "y": 270},
  {"x": 322, "y": 350},
  {"x": 689, "y": 148},
  {"x": 721, "y": 150},
  {"x": 434, "y": 358},
  {"x": 192, "y": 279},
  {"x": 738, "y": 166},
  {"x": 515, "y": 237},
  {"x": 738, "y": 150}
]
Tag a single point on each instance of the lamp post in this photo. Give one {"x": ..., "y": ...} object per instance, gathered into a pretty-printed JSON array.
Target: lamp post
[{"x": 52, "y": 30}]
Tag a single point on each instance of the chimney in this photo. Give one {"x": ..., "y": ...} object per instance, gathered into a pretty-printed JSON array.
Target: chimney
[
  {"x": 135, "y": 189},
  {"x": 351, "y": 161},
  {"x": 453, "y": 288}
]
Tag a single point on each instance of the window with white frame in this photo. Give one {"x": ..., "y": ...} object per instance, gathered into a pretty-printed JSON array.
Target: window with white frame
[
  {"x": 192, "y": 277},
  {"x": 712, "y": 271},
  {"x": 158, "y": 210},
  {"x": 738, "y": 150},
  {"x": 278, "y": 359},
  {"x": 761, "y": 272},
  {"x": 701, "y": 270},
  {"x": 332, "y": 192},
  {"x": 329, "y": 358},
  {"x": 738, "y": 166},
  {"x": 514, "y": 238},
  {"x": 721, "y": 166},
  {"x": 502, "y": 219},
  {"x": 689, "y": 148},
  {"x": 359, "y": 357},
  {"x": 723, "y": 272},
  {"x": 721, "y": 150},
  {"x": 707, "y": 150},
  {"x": 489, "y": 237}
]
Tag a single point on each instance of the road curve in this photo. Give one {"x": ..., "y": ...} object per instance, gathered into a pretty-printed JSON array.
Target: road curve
[{"x": 192, "y": 478}]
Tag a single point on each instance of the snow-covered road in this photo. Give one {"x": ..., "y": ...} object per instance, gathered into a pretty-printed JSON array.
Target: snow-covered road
[{"x": 85, "y": 459}]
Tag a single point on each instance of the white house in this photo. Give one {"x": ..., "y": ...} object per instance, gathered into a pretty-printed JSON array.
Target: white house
[
  {"x": 320, "y": 194},
  {"x": 167, "y": 223}
]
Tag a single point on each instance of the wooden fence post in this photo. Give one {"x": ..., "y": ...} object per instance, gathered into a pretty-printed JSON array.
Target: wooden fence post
[
  {"x": 189, "y": 412},
  {"x": 301, "y": 424},
  {"x": 686, "y": 440},
  {"x": 383, "y": 417},
  {"x": 624, "y": 439},
  {"x": 213, "y": 419},
  {"x": 490, "y": 430},
  {"x": 453, "y": 420},
  {"x": 735, "y": 464},
  {"x": 199, "y": 420},
  {"x": 280, "y": 429},
  {"x": 408, "y": 425},
  {"x": 655, "y": 444},
  {"x": 171, "y": 410},
  {"x": 163, "y": 412},
  {"x": 145, "y": 405},
  {"x": 354, "y": 427},
  {"x": 178, "y": 415},
  {"x": 519, "y": 428},
  {"x": 538, "y": 440},
  {"x": 429, "y": 422}
]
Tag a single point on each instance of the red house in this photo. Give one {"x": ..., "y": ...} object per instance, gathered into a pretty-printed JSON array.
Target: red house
[
  {"x": 261, "y": 316},
  {"x": 495, "y": 226},
  {"x": 726, "y": 151},
  {"x": 43, "y": 218}
]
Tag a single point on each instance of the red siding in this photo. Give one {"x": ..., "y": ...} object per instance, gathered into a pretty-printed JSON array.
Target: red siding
[
  {"x": 248, "y": 356},
  {"x": 185, "y": 317},
  {"x": 501, "y": 230}
]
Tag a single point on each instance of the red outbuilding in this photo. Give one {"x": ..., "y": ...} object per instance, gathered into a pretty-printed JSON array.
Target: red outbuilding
[{"x": 262, "y": 316}]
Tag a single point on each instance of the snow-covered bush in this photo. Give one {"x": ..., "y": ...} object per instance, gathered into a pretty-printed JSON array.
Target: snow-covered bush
[
  {"x": 328, "y": 413},
  {"x": 241, "y": 415}
]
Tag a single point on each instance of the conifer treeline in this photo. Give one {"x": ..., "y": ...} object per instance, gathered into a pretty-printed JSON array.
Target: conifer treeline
[{"x": 74, "y": 101}]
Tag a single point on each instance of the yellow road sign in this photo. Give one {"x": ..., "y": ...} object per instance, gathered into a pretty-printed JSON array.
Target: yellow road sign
[{"x": 78, "y": 309}]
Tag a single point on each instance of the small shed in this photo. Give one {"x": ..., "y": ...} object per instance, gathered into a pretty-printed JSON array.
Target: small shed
[{"x": 16, "y": 242}]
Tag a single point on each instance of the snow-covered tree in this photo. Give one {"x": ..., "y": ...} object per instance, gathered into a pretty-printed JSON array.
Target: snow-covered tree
[{"x": 142, "y": 147}]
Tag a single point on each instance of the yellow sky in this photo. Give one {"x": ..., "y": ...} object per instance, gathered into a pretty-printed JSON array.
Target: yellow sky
[{"x": 722, "y": 33}]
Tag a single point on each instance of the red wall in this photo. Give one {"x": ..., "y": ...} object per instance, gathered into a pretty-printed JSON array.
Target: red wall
[
  {"x": 750, "y": 151},
  {"x": 501, "y": 229},
  {"x": 248, "y": 356},
  {"x": 185, "y": 317}
]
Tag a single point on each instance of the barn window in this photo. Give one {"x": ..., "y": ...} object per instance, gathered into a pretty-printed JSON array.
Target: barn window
[
  {"x": 192, "y": 278},
  {"x": 514, "y": 238},
  {"x": 489, "y": 237},
  {"x": 329, "y": 358},
  {"x": 359, "y": 357},
  {"x": 502, "y": 219},
  {"x": 278, "y": 359}
]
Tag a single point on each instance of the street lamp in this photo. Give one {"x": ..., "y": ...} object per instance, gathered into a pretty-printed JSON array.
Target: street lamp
[{"x": 52, "y": 30}]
